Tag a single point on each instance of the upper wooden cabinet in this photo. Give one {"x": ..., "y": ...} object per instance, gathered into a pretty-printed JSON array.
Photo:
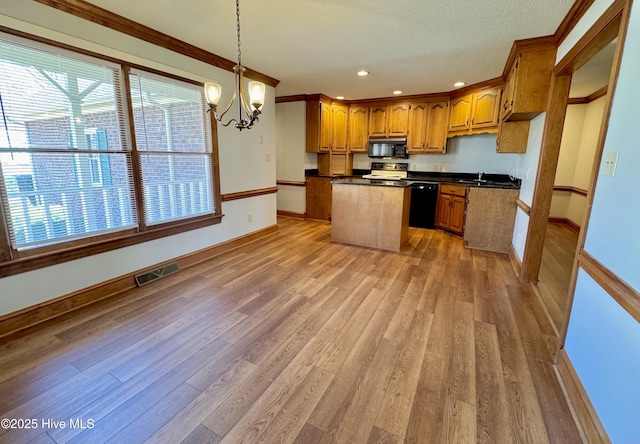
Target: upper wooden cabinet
[
  {"x": 527, "y": 87},
  {"x": 427, "y": 127},
  {"x": 437, "y": 121},
  {"x": 378, "y": 121},
  {"x": 475, "y": 113},
  {"x": 389, "y": 120},
  {"x": 339, "y": 127},
  {"x": 513, "y": 136},
  {"x": 485, "y": 110},
  {"x": 398, "y": 120},
  {"x": 318, "y": 126},
  {"x": 358, "y": 134},
  {"x": 460, "y": 115},
  {"x": 417, "y": 127}
]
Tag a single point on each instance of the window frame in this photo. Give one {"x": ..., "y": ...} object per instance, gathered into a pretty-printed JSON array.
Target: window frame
[{"x": 14, "y": 261}]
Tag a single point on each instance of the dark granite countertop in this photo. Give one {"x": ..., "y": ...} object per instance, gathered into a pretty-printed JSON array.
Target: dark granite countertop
[
  {"x": 501, "y": 181},
  {"x": 371, "y": 182}
]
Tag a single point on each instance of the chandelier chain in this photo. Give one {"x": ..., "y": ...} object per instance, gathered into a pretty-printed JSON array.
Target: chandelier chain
[{"x": 238, "y": 28}]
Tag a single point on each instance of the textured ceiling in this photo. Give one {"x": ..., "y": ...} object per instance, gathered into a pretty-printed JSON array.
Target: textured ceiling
[{"x": 316, "y": 46}]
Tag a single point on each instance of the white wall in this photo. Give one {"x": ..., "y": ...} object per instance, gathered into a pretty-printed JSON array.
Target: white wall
[
  {"x": 577, "y": 151},
  {"x": 603, "y": 341},
  {"x": 242, "y": 163},
  {"x": 587, "y": 21},
  {"x": 290, "y": 154},
  {"x": 526, "y": 170},
  {"x": 465, "y": 154}
]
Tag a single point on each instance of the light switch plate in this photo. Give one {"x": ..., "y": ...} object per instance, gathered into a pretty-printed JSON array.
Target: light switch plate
[{"x": 610, "y": 163}]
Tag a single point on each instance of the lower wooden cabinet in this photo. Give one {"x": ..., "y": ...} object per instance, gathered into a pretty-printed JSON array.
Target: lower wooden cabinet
[
  {"x": 318, "y": 198},
  {"x": 490, "y": 218},
  {"x": 450, "y": 212}
]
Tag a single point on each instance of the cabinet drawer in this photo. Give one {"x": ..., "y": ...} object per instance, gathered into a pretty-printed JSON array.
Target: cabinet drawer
[{"x": 456, "y": 190}]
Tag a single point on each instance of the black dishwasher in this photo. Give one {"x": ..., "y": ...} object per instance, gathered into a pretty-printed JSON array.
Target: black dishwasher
[{"x": 424, "y": 198}]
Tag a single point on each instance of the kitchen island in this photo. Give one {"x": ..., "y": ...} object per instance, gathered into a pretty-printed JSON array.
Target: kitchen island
[{"x": 371, "y": 213}]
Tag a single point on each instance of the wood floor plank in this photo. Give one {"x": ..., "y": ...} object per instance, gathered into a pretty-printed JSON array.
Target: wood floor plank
[
  {"x": 310, "y": 434},
  {"x": 395, "y": 411},
  {"x": 380, "y": 436},
  {"x": 151, "y": 420},
  {"x": 186, "y": 422},
  {"x": 201, "y": 435},
  {"x": 288, "y": 423},
  {"x": 358, "y": 418},
  {"x": 491, "y": 397},
  {"x": 297, "y": 339},
  {"x": 336, "y": 399}
]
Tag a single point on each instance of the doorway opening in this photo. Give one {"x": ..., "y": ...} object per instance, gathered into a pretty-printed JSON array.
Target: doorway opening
[{"x": 578, "y": 151}]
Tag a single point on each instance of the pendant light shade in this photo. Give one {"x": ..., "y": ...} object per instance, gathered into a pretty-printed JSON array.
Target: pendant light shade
[{"x": 248, "y": 111}]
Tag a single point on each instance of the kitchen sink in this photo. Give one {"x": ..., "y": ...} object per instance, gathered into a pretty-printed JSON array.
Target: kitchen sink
[{"x": 472, "y": 181}]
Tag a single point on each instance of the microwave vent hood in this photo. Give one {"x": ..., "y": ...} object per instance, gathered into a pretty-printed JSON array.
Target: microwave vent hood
[{"x": 391, "y": 140}]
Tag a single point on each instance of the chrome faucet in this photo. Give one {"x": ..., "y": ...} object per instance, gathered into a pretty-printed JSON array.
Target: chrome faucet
[{"x": 480, "y": 176}]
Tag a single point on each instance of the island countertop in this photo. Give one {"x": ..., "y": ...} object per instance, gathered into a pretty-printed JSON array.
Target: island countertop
[{"x": 372, "y": 182}]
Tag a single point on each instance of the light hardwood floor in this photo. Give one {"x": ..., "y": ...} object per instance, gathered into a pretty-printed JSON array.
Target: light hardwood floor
[
  {"x": 296, "y": 339},
  {"x": 555, "y": 270}
]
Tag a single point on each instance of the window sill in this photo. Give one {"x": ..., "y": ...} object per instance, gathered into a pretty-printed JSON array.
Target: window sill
[{"x": 35, "y": 259}]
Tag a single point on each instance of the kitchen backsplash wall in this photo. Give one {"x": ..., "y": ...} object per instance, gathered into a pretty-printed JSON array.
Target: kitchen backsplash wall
[{"x": 465, "y": 154}]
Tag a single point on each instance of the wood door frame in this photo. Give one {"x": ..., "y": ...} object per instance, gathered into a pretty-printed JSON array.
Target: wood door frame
[{"x": 612, "y": 24}]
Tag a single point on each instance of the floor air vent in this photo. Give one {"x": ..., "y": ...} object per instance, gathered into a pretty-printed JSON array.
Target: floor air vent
[{"x": 149, "y": 276}]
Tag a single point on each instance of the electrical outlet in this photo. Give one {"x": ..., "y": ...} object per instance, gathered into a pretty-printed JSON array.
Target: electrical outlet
[
  {"x": 267, "y": 157},
  {"x": 250, "y": 217},
  {"x": 610, "y": 163}
]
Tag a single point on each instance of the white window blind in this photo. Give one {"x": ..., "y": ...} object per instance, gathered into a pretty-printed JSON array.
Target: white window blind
[
  {"x": 174, "y": 143},
  {"x": 66, "y": 164}
]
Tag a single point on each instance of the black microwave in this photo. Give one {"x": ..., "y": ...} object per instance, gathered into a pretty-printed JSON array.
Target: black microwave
[{"x": 388, "y": 148}]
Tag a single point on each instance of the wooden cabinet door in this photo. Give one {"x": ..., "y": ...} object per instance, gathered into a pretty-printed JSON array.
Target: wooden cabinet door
[
  {"x": 318, "y": 198},
  {"x": 325, "y": 127},
  {"x": 377, "y": 121},
  {"x": 457, "y": 214},
  {"x": 358, "y": 134},
  {"x": 339, "y": 165},
  {"x": 513, "y": 137},
  {"x": 417, "y": 127},
  {"x": 437, "y": 123},
  {"x": 443, "y": 212},
  {"x": 340, "y": 114},
  {"x": 509, "y": 90},
  {"x": 485, "y": 110},
  {"x": 398, "y": 119},
  {"x": 460, "y": 114}
]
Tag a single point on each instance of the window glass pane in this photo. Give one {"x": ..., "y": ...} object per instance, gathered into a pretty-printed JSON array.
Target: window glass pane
[
  {"x": 168, "y": 115},
  {"x": 53, "y": 101},
  {"x": 175, "y": 148},
  {"x": 62, "y": 196},
  {"x": 176, "y": 186},
  {"x": 66, "y": 167}
]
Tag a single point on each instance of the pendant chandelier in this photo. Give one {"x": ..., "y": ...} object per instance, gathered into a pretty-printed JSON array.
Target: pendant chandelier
[{"x": 248, "y": 111}]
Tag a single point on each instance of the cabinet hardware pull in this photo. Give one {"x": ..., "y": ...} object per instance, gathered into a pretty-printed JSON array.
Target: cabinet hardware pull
[{"x": 467, "y": 124}]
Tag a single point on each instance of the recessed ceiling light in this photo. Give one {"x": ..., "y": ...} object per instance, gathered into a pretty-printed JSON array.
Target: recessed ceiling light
[
  {"x": 459, "y": 84},
  {"x": 397, "y": 92},
  {"x": 363, "y": 73},
  {"x": 340, "y": 97}
]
